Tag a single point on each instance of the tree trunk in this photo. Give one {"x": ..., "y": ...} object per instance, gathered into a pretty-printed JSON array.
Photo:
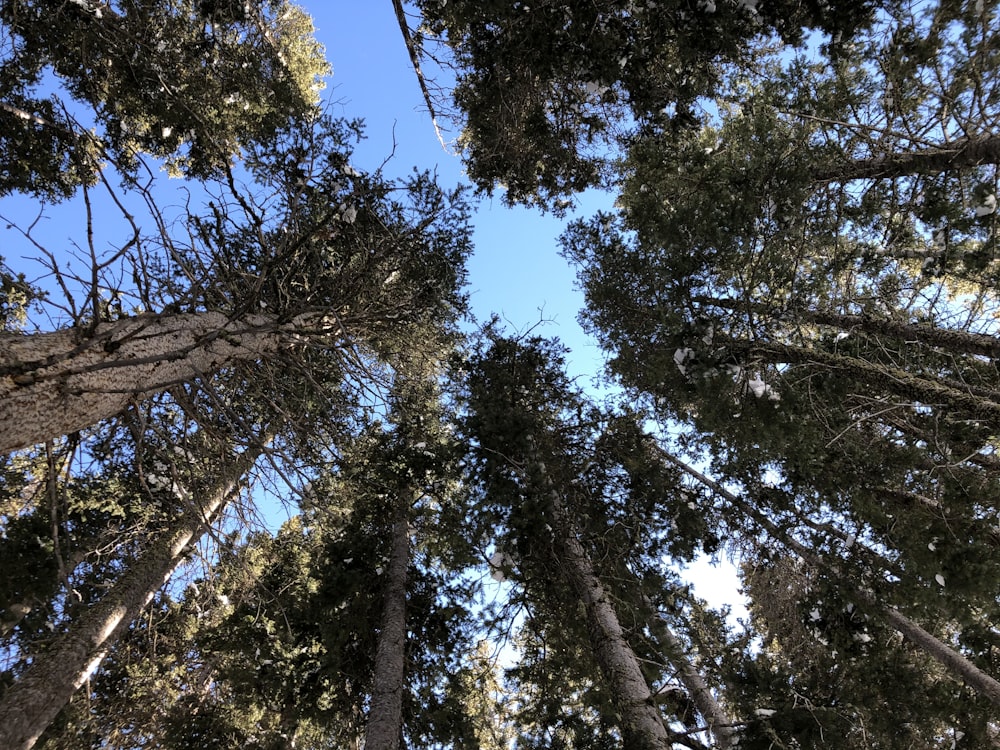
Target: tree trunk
[
  {"x": 982, "y": 403},
  {"x": 951, "y": 660},
  {"x": 385, "y": 719},
  {"x": 38, "y": 695},
  {"x": 964, "y": 153},
  {"x": 642, "y": 726},
  {"x": 719, "y": 722},
  {"x": 54, "y": 383},
  {"x": 956, "y": 342},
  {"x": 956, "y": 664},
  {"x": 950, "y": 340}
]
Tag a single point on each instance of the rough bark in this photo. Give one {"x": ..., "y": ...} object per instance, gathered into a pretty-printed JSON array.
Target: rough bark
[
  {"x": 385, "y": 718},
  {"x": 642, "y": 726},
  {"x": 38, "y": 695},
  {"x": 719, "y": 722},
  {"x": 52, "y": 384},
  {"x": 963, "y": 153},
  {"x": 956, "y": 342},
  {"x": 950, "y": 659},
  {"x": 956, "y": 664}
]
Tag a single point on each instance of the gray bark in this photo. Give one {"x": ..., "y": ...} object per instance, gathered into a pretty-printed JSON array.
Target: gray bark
[
  {"x": 385, "y": 718},
  {"x": 52, "y": 384},
  {"x": 956, "y": 664},
  {"x": 983, "y": 403},
  {"x": 38, "y": 695},
  {"x": 958, "y": 342},
  {"x": 950, "y": 659},
  {"x": 951, "y": 340},
  {"x": 642, "y": 725},
  {"x": 963, "y": 153},
  {"x": 719, "y": 722}
]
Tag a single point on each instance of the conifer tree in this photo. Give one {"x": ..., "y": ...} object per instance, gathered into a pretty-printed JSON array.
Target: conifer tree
[
  {"x": 826, "y": 609},
  {"x": 545, "y": 89},
  {"x": 325, "y": 264},
  {"x": 41, "y": 691},
  {"x": 357, "y": 279},
  {"x": 565, "y": 491},
  {"x": 285, "y": 640},
  {"x": 823, "y": 328},
  {"x": 189, "y": 82}
]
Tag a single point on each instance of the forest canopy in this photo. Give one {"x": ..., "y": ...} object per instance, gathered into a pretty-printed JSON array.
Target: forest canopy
[{"x": 266, "y": 482}]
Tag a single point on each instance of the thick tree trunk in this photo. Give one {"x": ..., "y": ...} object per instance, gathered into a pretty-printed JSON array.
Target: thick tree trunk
[
  {"x": 642, "y": 726},
  {"x": 956, "y": 342},
  {"x": 719, "y": 722},
  {"x": 956, "y": 664},
  {"x": 951, "y": 660},
  {"x": 55, "y": 383},
  {"x": 385, "y": 719},
  {"x": 964, "y": 153},
  {"x": 38, "y": 695}
]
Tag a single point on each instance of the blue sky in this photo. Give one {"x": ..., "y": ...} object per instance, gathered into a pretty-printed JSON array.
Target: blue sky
[{"x": 516, "y": 271}]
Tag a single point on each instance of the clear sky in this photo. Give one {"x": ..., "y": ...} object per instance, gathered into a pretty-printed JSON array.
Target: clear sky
[{"x": 516, "y": 271}]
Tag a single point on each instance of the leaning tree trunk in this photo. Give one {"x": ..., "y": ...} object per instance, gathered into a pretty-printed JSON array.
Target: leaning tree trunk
[
  {"x": 981, "y": 402},
  {"x": 947, "y": 657},
  {"x": 385, "y": 719},
  {"x": 642, "y": 726},
  {"x": 954, "y": 662},
  {"x": 38, "y": 695},
  {"x": 719, "y": 722},
  {"x": 55, "y": 383},
  {"x": 960, "y": 154},
  {"x": 951, "y": 340}
]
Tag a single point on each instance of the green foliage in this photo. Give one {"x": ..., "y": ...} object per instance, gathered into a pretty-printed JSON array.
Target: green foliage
[
  {"x": 553, "y": 455},
  {"x": 544, "y": 88},
  {"x": 798, "y": 287},
  {"x": 56, "y": 529},
  {"x": 17, "y": 297},
  {"x": 163, "y": 79},
  {"x": 755, "y": 287},
  {"x": 826, "y": 663},
  {"x": 277, "y": 640}
]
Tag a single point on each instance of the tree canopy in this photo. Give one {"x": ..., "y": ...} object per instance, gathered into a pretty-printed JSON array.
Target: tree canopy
[
  {"x": 544, "y": 88},
  {"x": 266, "y": 483},
  {"x": 191, "y": 82}
]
